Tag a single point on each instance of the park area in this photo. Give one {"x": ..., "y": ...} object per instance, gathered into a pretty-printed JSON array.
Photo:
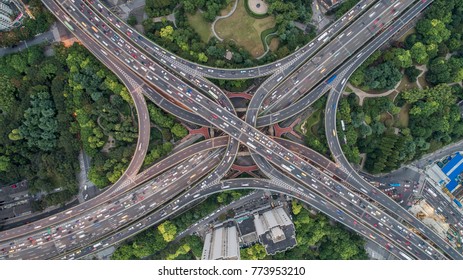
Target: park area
[
  {"x": 244, "y": 29},
  {"x": 201, "y": 26}
]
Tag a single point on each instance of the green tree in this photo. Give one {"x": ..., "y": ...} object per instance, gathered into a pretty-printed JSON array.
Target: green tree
[
  {"x": 167, "y": 32},
  {"x": 401, "y": 58},
  {"x": 412, "y": 73},
  {"x": 4, "y": 163},
  {"x": 7, "y": 96},
  {"x": 132, "y": 20},
  {"x": 419, "y": 54},
  {"x": 40, "y": 126},
  {"x": 15, "y": 135},
  {"x": 179, "y": 130},
  {"x": 432, "y": 30},
  {"x": 168, "y": 230},
  {"x": 255, "y": 252},
  {"x": 296, "y": 207}
]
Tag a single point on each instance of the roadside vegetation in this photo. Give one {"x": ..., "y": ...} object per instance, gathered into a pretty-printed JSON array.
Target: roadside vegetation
[
  {"x": 317, "y": 239},
  {"x": 157, "y": 242},
  {"x": 52, "y": 106},
  {"x": 31, "y": 27},
  {"x": 191, "y": 39},
  {"x": 313, "y": 128},
  {"x": 414, "y": 119},
  {"x": 345, "y": 6}
]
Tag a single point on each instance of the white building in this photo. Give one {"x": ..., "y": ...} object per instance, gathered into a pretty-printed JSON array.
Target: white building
[
  {"x": 221, "y": 244},
  {"x": 5, "y": 15}
]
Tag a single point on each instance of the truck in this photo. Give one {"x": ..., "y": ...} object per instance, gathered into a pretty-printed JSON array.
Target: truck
[
  {"x": 322, "y": 36},
  {"x": 68, "y": 26},
  {"x": 331, "y": 79},
  {"x": 457, "y": 202},
  {"x": 394, "y": 184}
]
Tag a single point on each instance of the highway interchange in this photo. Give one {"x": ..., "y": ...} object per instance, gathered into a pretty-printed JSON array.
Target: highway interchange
[{"x": 178, "y": 86}]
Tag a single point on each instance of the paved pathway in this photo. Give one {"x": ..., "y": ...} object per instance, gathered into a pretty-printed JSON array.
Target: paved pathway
[
  {"x": 222, "y": 17},
  {"x": 266, "y": 46},
  {"x": 170, "y": 17},
  {"x": 50, "y": 36},
  {"x": 361, "y": 94}
]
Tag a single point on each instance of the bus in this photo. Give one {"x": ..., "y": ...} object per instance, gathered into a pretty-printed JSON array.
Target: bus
[
  {"x": 331, "y": 79},
  {"x": 431, "y": 192},
  {"x": 322, "y": 36},
  {"x": 457, "y": 202},
  {"x": 68, "y": 26},
  {"x": 213, "y": 94},
  {"x": 251, "y": 145},
  {"x": 405, "y": 256},
  {"x": 286, "y": 167}
]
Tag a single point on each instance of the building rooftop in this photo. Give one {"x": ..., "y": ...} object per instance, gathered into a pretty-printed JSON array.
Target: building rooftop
[
  {"x": 452, "y": 169},
  {"x": 221, "y": 244},
  {"x": 285, "y": 240},
  {"x": 275, "y": 230}
]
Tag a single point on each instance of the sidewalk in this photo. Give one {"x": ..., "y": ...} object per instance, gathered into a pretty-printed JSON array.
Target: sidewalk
[
  {"x": 50, "y": 36},
  {"x": 361, "y": 94}
]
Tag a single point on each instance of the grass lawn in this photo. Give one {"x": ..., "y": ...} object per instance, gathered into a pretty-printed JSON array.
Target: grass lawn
[
  {"x": 405, "y": 84},
  {"x": 244, "y": 29},
  {"x": 228, "y": 9},
  {"x": 274, "y": 44},
  {"x": 402, "y": 121},
  {"x": 310, "y": 124},
  {"x": 348, "y": 89},
  {"x": 200, "y": 25},
  {"x": 422, "y": 81},
  {"x": 384, "y": 117}
]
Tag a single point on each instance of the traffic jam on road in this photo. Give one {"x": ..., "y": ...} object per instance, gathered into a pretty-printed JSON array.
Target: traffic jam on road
[{"x": 353, "y": 203}]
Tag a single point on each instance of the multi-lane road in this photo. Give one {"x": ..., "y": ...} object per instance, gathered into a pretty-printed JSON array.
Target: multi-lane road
[{"x": 177, "y": 86}]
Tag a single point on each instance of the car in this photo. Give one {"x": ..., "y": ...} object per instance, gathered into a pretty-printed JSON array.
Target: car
[
  {"x": 214, "y": 116},
  {"x": 14, "y": 186}
]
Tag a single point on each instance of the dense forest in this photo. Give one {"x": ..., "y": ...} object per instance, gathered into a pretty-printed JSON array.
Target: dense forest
[
  {"x": 417, "y": 121},
  {"x": 53, "y": 106},
  {"x": 317, "y": 239}
]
